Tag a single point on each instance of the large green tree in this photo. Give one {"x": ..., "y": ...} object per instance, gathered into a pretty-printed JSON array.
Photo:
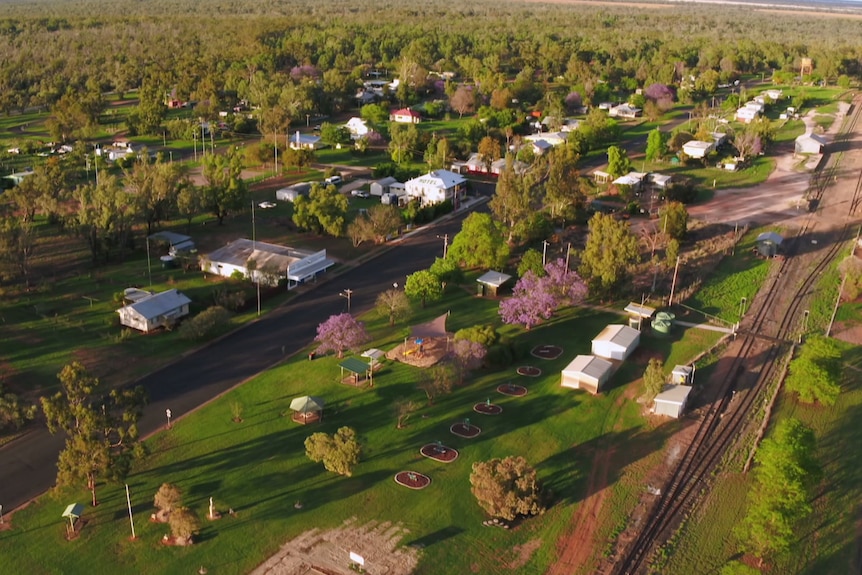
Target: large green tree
[
  {"x": 225, "y": 191},
  {"x": 610, "y": 251},
  {"x": 618, "y": 162},
  {"x": 480, "y": 243},
  {"x": 674, "y": 220},
  {"x": 815, "y": 373},
  {"x": 423, "y": 286},
  {"x": 656, "y": 147},
  {"x": 339, "y": 452},
  {"x": 324, "y": 211},
  {"x": 564, "y": 194},
  {"x": 101, "y": 430},
  {"x": 105, "y": 217},
  {"x": 506, "y": 488},
  {"x": 516, "y": 199}
]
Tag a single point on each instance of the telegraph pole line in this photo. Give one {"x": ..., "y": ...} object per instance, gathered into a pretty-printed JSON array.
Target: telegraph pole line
[{"x": 673, "y": 283}]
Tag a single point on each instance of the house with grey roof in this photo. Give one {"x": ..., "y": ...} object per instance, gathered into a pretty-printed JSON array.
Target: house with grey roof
[{"x": 154, "y": 311}]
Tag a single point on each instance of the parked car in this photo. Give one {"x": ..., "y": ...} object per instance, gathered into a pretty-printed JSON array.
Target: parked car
[
  {"x": 266, "y": 205},
  {"x": 360, "y": 194},
  {"x": 334, "y": 180}
]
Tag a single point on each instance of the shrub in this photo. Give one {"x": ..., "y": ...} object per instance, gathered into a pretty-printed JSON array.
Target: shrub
[
  {"x": 484, "y": 334},
  {"x": 184, "y": 523},
  {"x": 206, "y": 323}
]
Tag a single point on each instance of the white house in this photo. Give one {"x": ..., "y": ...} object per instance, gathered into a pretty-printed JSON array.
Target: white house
[
  {"x": 616, "y": 341},
  {"x": 698, "y": 148},
  {"x": 305, "y": 142},
  {"x": 499, "y": 166},
  {"x": 155, "y": 311},
  {"x": 671, "y": 402},
  {"x": 809, "y": 143},
  {"x": 624, "y": 111},
  {"x": 436, "y": 187},
  {"x": 587, "y": 372},
  {"x": 273, "y": 263},
  {"x": 290, "y": 193},
  {"x": 746, "y": 114},
  {"x": 774, "y": 93},
  {"x": 357, "y": 128},
  {"x": 633, "y": 179},
  {"x": 553, "y": 138},
  {"x": 405, "y": 116}
]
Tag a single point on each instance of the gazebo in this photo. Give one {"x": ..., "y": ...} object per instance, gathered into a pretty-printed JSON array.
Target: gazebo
[
  {"x": 73, "y": 512},
  {"x": 357, "y": 367},
  {"x": 307, "y": 409}
]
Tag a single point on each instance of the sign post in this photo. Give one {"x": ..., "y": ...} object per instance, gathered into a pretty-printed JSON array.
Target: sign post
[
  {"x": 168, "y": 413},
  {"x": 357, "y": 559}
]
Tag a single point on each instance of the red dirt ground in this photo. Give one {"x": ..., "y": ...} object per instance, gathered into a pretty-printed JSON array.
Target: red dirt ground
[
  {"x": 576, "y": 547},
  {"x": 412, "y": 479},
  {"x": 467, "y": 431},
  {"x": 529, "y": 371},
  {"x": 439, "y": 453},
  {"x": 512, "y": 389},
  {"x": 487, "y": 409},
  {"x": 547, "y": 351}
]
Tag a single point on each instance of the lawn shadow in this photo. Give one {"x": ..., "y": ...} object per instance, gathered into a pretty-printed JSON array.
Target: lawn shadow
[{"x": 436, "y": 537}]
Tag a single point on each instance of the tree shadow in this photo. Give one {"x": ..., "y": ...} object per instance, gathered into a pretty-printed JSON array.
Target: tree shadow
[{"x": 436, "y": 537}]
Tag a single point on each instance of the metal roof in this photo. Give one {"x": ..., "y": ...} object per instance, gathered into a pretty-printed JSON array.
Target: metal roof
[
  {"x": 588, "y": 365},
  {"x": 494, "y": 279},
  {"x": 675, "y": 394},
  {"x": 238, "y": 252},
  {"x": 159, "y": 304},
  {"x": 639, "y": 310},
  {"x": 770, "y": 237},
  {"x": 618, "y": 334},
  {"x": 355, "y": 365}
]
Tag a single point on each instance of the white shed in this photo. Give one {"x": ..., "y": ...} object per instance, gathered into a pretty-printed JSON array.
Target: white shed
[
  {"x": 671, "y": 402},
  {"x": 155, "y": 311},
  {"x": 616, "y": 341},
  {"x": 380, "y": 187},
  {"x": 698, "y": 148},
  {"x": 587, "y": 372},
  {"x": 809, "y": 143}
]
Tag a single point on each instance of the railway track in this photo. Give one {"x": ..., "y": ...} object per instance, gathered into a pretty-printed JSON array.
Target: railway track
[{"x": 761, "y": 343}]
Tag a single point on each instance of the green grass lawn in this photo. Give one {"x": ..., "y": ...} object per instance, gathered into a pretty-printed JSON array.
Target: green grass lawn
[
  {"x": 258, "y": 467},
  {"x": 736, "y": 277}
]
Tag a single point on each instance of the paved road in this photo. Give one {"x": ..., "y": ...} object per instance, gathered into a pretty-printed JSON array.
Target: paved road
[{"x": 28, "y": 465}]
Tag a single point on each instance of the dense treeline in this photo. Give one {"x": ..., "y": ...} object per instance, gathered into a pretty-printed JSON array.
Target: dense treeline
[{"x": 203, "y": 50}]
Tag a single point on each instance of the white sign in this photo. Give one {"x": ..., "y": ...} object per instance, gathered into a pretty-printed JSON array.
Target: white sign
[{"x": 358, "y": 559}]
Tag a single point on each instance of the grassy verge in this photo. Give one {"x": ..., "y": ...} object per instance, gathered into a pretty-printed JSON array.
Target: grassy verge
[
  {"x": 737, "y": 276},
  {"x": 258, "y": 468}
]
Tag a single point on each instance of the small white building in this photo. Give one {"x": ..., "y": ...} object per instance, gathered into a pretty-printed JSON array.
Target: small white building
[
  {"x": 290, "y": 193},
  {"x": 616, "y": 341},
  {"x": 746, "y": 115},
  {"x": 698, "y": 148},
  {"x": 381, "y": 186},
  {"x": 436, "y": 187},
  {"x": 633, "y": 179},
  {"x": 682, "y": 375},
  {"x": 490, "y": 282},
  {"x": 305, "y": 142},
  {"x": 154, "y": 311},
  {"x": 405, "y": 116},
  {"x": 624, "y": 111},
  {"x": 552, "y": 138},
  {"x": 357, "y": 128},
  {"x": 587, "y": 372},
  {"x": 809, "y": 143},
  {"x": 273, "y": 263},
  {"x": 671, "y": 402}
]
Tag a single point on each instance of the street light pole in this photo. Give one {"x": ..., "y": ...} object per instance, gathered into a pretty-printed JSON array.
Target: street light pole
[
  {"x": 544, "y": 251},
  {"x": 347, "y": 293},
  {"x": 445, "y": 238},
  {"x": 168, "y": 413},
  {"x": 742, "y": 303}
]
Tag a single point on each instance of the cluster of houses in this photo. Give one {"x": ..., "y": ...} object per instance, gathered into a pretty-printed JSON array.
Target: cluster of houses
[
  {"x": 610, "y": 348},
  {"x": 752, "y": 109}
]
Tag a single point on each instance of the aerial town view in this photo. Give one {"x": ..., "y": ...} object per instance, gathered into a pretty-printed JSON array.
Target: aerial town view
[{"x": 527, "y": 287}]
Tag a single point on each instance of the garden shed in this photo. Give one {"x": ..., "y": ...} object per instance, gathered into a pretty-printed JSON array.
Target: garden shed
[
  {"x": 809, "y": 143},
  {"x": 381, "y": 186},
  {"x": 587, "y": 372},
  {"x": 616, "y": 341},
  {"x": 290, "y": 193},
  {"x": 682, "y": 374},
  {"x": 491, "y": 282},
  {"x": 671, "y": 402},
  {"x": 768, "y": 244}
]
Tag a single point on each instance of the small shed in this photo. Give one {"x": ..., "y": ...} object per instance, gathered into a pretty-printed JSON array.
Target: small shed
[
  {"x": 768, "y": 244},
  {"x": 290, "y": 193},
  {"x": 639, "y": 314},
  {"x": 381, "y": 186},
  {"x": 809, "y": 143},
  {"x": 682, "y": 375},
  {"x": 616, "y": 341},
  {"x": 671, "y": 402},
  {"x": 178, "y": 242},
  {"x": 587, "y": 372},
  {"x": 698, "y": 148},
  {"x": 491, "y": 282}
]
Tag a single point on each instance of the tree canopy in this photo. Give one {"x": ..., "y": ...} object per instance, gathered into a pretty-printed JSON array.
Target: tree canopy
[
  {"x": 480, "y": 243},
  {"x": 506, "y": 488},
  {"x": 338, "y": 452},
  {"x": 611, "y": 249}
]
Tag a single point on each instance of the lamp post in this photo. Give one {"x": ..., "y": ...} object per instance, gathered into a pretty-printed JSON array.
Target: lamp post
[
  {"x": 347, "y": 293},
  {"x": 445, "y": 238},
  {"x": 804, "y": 325},
  {"x": 168, "y": 414},
  {"x": 544, "y": 251},
  {"x": 742, "y": 303}
]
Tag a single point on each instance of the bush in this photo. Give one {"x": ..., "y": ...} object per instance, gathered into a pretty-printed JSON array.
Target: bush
[
  {"x": 499, "y": 356},
  {"x": 205, "y": 324},
  {"x": 484, "y": 334},
  {"x": 231, "y": 300},
  {"x": 184, "y": 523}
]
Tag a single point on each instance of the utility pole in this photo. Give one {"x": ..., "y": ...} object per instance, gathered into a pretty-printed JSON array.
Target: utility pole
[
  {"x": 544, "y": 252},
  {"x": 445, "y": 238},
  {"x": 275, "y": 144},
  {"x": 568, "y": 251},
  {"x": 195, "y": 137},
  {"x": 129, "y": 503},
  {"x": 835, "y": 308},
  {"x": 253, "y": 247},
  {"x": 673, "y": 283}
]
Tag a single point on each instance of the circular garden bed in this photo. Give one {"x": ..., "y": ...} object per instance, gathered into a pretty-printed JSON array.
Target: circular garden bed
[
  {"x": 439, "y": 452},
  {"x": 529, "y": 371},
  {"x": 512, "y": 389},
  {"x": 465, "y": 430},
  {"x": 547, "y": 351},
  {"x": 412, "y": 479},
  {"x": 486, "y": 408}
]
